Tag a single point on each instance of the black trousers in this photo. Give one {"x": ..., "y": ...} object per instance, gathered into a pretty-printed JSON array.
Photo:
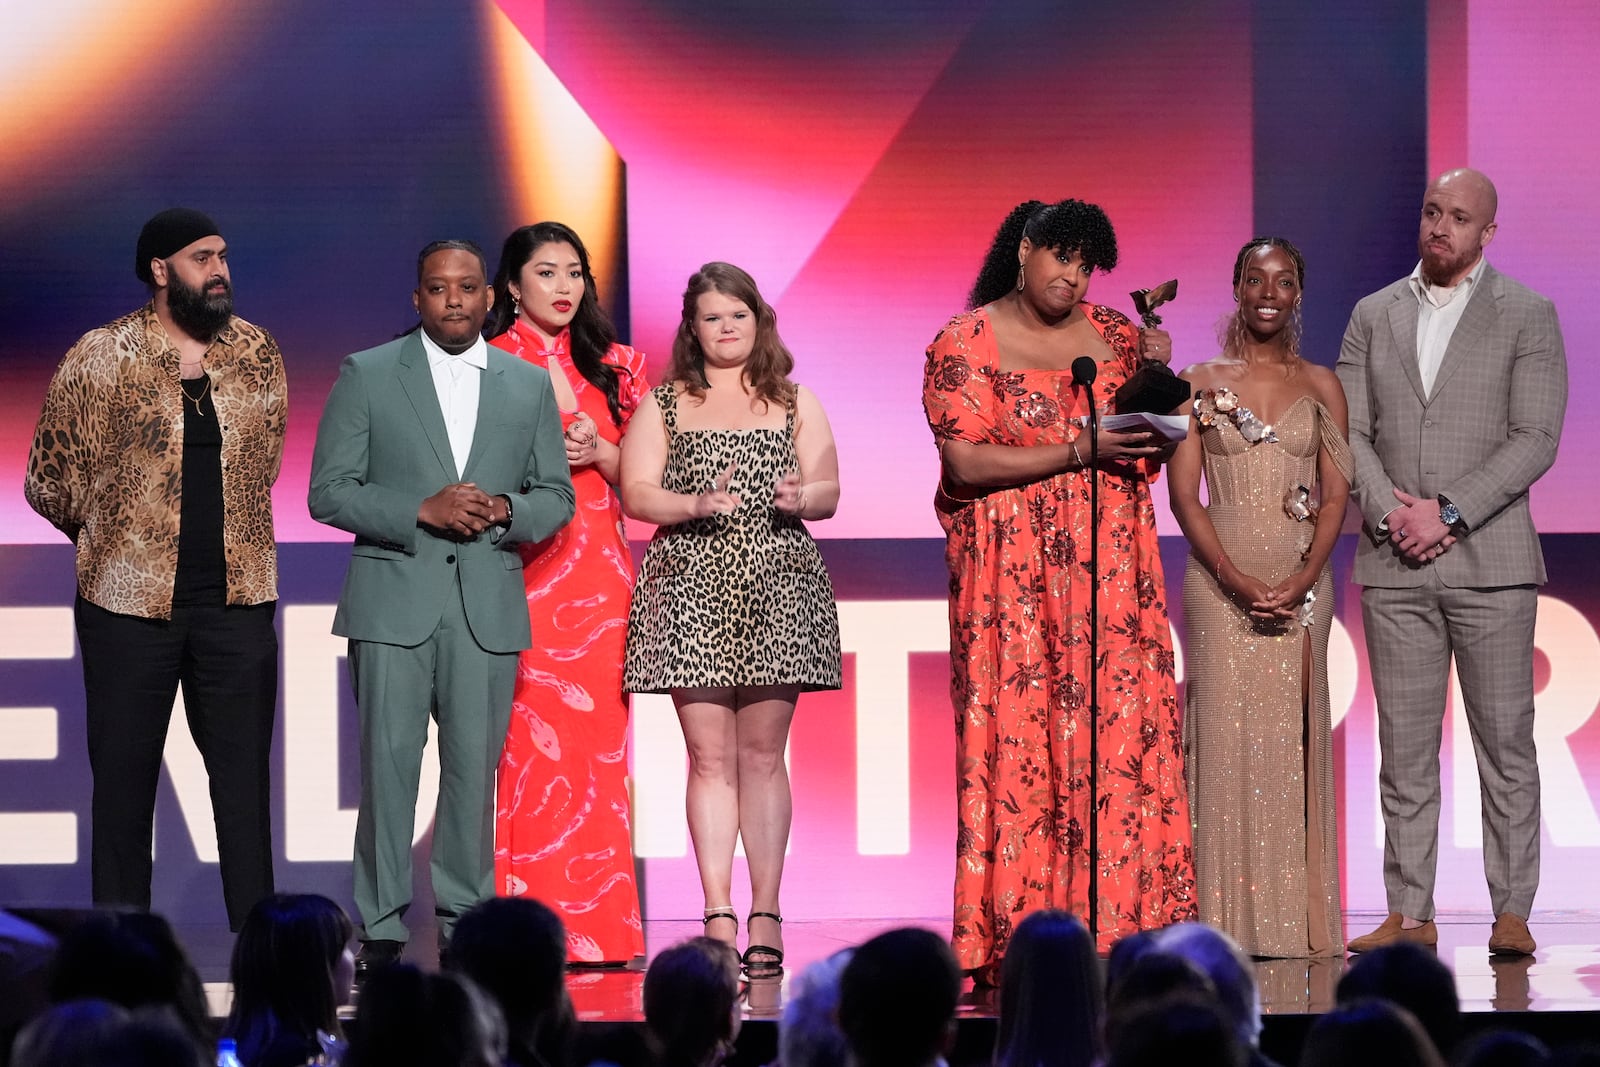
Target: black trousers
[{"x": 226, "y": 660}]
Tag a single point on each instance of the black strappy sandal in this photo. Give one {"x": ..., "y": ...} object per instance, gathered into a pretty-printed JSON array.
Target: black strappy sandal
[
  {"x": 713, "y": 914},
  {"x": 762, "y": 960}
]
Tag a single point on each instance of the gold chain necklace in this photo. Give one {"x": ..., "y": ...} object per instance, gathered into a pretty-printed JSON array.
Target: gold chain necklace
[{"x": 195, "y": 400}]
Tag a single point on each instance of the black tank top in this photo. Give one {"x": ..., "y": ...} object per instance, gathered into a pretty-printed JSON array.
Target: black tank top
[{"x": 202, "y": 565}]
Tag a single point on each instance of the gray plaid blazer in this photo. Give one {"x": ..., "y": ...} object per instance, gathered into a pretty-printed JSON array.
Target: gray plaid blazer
[{"x": 1486, "y": 434}]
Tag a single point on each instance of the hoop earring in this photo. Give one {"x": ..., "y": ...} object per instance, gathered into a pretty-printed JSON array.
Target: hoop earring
[{"x": 1021, "y": 275}]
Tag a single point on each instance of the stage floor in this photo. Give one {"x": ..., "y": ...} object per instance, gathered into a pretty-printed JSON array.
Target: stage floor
[{"x": 1563, "y": 976}]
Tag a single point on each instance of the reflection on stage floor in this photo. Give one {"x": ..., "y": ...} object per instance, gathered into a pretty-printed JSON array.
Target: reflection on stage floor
[{"x": 1563, "y": 976}]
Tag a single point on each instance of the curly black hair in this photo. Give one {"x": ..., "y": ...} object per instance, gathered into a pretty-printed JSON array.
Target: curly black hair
[{"x": 1070, "y": 225}]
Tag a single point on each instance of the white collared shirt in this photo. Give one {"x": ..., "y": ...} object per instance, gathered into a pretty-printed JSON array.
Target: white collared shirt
[
  {"x": 1439, "y": 309},
  {"x": 456, "y": 378}
]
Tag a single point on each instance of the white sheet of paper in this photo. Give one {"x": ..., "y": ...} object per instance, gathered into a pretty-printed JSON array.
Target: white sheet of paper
[{"x": 1172, "y": 427}]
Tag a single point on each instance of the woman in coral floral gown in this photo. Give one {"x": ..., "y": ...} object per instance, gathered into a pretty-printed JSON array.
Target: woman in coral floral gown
[
  {"x": 562, "y": 830},
  {"x": 1014, "y": 503}
]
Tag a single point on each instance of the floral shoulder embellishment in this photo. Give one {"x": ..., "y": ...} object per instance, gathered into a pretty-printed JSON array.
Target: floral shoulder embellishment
[{"x": 1212, "y": 404}]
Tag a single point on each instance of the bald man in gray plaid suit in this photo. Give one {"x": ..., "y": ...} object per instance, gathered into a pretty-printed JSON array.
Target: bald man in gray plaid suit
[{"x": 1457, "y": 382}]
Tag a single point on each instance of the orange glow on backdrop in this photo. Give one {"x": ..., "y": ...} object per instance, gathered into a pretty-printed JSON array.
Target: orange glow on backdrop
[
  {"x": 558, "y": 163},
  {"x": 70, "y": 73}
]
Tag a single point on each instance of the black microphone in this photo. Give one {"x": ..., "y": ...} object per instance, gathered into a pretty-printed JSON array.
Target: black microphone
[{"x": 1084, "y": 371}]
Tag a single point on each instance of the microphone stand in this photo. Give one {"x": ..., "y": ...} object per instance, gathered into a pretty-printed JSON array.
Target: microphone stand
[{"x": 1084, "y": 371}]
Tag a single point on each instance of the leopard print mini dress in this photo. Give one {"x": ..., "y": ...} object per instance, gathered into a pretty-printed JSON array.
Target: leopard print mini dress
[{"x": 740, "y": 599}]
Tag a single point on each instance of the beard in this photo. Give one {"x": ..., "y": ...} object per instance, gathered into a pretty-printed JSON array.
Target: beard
[
  {"x": 198, "y": 314},
  {"x": 1438, "y": 268}
]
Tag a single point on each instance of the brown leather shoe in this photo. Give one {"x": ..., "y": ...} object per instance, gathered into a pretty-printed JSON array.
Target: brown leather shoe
[
  {"x": 1391, "y": 932},
  {"x": 1510, "y": 936}
]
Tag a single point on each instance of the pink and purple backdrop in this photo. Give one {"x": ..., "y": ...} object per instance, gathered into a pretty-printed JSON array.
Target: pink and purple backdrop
[{"x": 856, "y": 158}]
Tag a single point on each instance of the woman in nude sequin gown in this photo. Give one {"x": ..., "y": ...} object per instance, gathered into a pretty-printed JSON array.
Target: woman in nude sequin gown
[{"x": 1268, "y": 431}]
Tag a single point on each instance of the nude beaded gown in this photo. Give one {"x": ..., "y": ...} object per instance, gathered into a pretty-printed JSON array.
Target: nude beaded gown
[{"x": 1259, "y": 755}]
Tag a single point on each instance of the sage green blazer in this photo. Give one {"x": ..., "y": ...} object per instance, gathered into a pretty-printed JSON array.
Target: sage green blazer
[{"x": 382, "y": 449}]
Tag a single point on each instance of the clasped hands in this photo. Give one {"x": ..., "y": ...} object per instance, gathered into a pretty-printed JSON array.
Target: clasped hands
[
  {"x": 1415, "y": 530},
  {"x": 582, "y": 440},
  {"x": 1278, "y": 603},
  {"x": 462, "y": 511}
]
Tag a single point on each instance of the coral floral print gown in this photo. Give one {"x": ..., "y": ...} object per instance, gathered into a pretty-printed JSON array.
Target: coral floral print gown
[
  {"x": 1019, "y": 650},
  {"x": 562, "y": 830}
]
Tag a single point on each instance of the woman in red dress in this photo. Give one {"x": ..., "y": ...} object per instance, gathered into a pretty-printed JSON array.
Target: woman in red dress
[
  {"x": 562, "y": 827},
  {"x": 1014, "y": 503}
]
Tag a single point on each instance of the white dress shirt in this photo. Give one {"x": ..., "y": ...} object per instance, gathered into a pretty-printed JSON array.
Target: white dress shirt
[
  {"x": 456, "y": 378},
  {"x": 1438, "y": 311}
]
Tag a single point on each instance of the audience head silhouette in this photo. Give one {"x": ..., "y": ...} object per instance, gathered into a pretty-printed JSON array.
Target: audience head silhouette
[
  {"x": 1412, "y": 977},
  {"x": 1369, "y": 1032},
  {"x": 291, "y": 971},
  {"x": 515, "y": 949},
  {"x": 424, "y": 1020},
  {"x": 691, "y": 1002},
  {"x": 132, "y": 958},
  {"x": 1050, "y": 997},
  {"x": 897, "y": 999}
]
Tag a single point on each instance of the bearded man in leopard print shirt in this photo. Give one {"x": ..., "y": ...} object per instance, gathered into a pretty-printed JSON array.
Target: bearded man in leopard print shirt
[{"x": 160, "y": 438}]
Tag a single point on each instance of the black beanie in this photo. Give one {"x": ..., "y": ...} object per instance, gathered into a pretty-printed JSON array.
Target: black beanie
[{"x": 174, "y": 229}]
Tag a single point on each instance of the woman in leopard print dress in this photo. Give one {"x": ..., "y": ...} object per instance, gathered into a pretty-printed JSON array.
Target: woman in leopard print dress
[{"x": 733, "y": 613}]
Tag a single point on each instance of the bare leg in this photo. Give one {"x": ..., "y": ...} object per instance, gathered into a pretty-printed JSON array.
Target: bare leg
[
  {"x": 765, "y": 807},
  {"x": 712, "y": 798}
]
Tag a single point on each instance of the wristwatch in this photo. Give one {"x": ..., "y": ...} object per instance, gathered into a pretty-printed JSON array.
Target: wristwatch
[{"x": 1449, "y": 514}]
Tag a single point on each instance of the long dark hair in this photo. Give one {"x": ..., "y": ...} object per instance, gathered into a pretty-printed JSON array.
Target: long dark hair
[
  {"x": 591, "y": 329},
  {"x": 767, "y": 370},
  {"x": 1069, "y": 226},
  {"x": 1050, "y": 1014},
  {"x": 283, "y": 967}
]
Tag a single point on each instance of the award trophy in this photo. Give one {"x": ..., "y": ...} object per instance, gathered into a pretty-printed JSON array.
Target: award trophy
[{"x": 1153, "y": 387}]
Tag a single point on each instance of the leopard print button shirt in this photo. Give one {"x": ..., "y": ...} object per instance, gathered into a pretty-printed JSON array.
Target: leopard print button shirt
[{"x": 106, "y": 467}]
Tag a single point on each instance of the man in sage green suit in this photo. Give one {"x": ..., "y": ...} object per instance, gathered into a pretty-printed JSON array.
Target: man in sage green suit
[{"x": 441, "y": 455}]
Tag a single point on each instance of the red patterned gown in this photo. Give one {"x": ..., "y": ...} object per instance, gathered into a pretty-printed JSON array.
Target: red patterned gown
[
  {"x": 562, "y": 831},
  {"x": 1019, "y": 652}
]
